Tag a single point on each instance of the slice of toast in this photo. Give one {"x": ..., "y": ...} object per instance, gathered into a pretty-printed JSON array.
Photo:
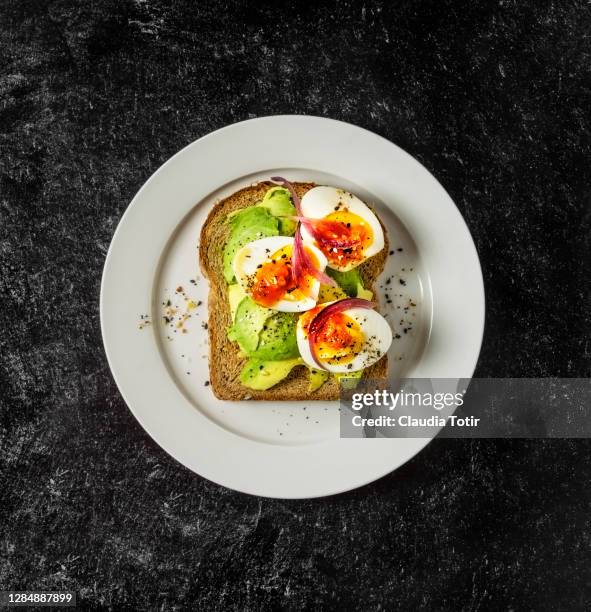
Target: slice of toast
[{"x": 225, "y": 362}]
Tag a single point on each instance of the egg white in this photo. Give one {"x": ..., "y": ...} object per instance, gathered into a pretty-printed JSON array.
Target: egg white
[
  {"x": 377, "y": 339},
  {"x": 320, "y": 202},
  {"x": 258, "y": 252}
]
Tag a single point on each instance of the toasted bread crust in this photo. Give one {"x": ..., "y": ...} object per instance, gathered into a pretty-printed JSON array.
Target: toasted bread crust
[{"x": 225, "y": 362}]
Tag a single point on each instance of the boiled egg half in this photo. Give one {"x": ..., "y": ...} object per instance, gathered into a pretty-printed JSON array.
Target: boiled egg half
[
  {"x": 348, "y": 341},
  {"x": 341, "y": 226},
  {"x": 264, "y": 270}
]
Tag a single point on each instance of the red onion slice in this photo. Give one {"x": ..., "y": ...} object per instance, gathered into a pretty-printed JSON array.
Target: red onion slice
[
  {"x": 302, "y": 264},
  {"x": 317, "y": 323}
]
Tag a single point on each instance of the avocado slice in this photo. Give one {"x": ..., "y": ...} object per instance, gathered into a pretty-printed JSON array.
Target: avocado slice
[
  {"x": 317, "y": 379},
  {"x": 364, "y": 294},
  {"x": 278, "y": 201},
  {"x": 277, "y": 338},
  {"x": 347, "y": 281},
  {"x": 246, "y": 226},
  {"x": 263, "y": 333},
  {"x": 330, "y": 294},
  {"x": 260, "y": 375},
  {"x": 235, "y": 295},
  {"x": 349, "y": 380},
  {"x": 249, "y": 320}
]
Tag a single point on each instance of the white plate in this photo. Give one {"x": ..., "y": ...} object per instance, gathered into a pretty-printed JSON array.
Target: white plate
[{"x": 287, "y": 449}]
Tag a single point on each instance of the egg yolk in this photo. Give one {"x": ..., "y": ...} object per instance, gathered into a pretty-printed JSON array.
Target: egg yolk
[
  {"x": 343, "y": 237},
  {"x": 339, "y": 340},
  {"x": 274, "y": 280}
]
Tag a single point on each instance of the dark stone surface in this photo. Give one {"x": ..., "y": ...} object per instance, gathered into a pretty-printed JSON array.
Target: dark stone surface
[{"x": 493, "y": 97}]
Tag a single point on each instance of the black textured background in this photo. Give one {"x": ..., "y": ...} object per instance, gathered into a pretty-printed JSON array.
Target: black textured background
[{"x": 493, "y": 97}]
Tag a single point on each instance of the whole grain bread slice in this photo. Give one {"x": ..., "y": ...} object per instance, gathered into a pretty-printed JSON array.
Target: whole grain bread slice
[{"x": 225, "y": 362}]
